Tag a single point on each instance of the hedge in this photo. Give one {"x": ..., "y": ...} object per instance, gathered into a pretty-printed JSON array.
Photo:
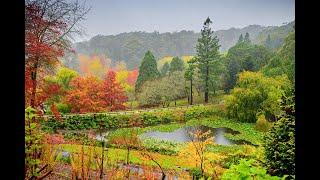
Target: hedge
[{"x": 111, "y": 121}]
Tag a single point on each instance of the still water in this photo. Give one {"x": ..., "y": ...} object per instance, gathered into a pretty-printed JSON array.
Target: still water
[{"x": 183, "y": 135}]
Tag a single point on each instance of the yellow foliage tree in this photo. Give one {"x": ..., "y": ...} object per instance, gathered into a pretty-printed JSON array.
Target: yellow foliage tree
[
  {"x": 168, "y": 59},
  {"x": 195, "y": 152},
  {"x": 96, "y": 68}
]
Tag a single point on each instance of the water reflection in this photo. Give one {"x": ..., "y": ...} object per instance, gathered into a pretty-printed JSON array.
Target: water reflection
[{"x": 183, "y": 134}]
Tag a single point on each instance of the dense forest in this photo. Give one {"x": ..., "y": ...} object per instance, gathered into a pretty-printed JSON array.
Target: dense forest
[{"x": 130, "y": 47}]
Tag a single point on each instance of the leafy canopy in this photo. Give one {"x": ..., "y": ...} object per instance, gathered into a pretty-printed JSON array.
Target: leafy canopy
[{"x": 256, "y": 93}]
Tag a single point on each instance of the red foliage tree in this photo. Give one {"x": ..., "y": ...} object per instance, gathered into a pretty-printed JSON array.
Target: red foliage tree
[
  {"x": 113, "y": 94},
  {"x": 47, "y": 26},
  {"x": 84, "y": 95},
  {"x": 132, "y": 77}
]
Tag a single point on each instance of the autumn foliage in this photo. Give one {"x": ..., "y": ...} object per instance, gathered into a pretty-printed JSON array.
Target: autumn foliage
[
  {"x": 90, "y": 94},
  {"x": 55, "y": 112},
  {"x": 113, "y": 95},
  {"x": 84, "y": 95}
]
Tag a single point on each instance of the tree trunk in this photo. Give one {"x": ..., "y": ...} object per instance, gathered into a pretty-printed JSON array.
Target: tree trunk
[
  {"x": 163, "y": 176},
  {"x": 202, "y": 165},
  {"x": 34, "y": 73},
  {"x": 102, "y": 157},
  {"x": 206, "y": 90},
  {"x": 191, "y": 97},
  {"x": 128, "y": 152}
]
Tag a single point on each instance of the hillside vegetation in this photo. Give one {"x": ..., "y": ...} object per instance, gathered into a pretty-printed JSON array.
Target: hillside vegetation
[{"x": 130, "y": 47}]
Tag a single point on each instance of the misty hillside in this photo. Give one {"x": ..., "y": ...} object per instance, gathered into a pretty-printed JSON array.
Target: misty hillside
[{"x": 130, "y": 47}]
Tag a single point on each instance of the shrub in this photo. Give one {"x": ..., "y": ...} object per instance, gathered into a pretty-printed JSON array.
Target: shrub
[
  {"x": 247, "y": 169},
  {"x": 262, "y": 124},
  {"x": 280, "y": 147},
  {"x": 33, "y": 144},
  {"x": 256, "y": 93},
  {"x": 200, "y": 112},
  {"x": 63, "y": 108},
  {"x": 280, "y": 142},
  {"x": 195, "y": 173}
]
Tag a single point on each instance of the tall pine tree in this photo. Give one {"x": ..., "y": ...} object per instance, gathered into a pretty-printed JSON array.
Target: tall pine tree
[
  {"x": 207, "y": 55},
  {"x": 147, "y": 71},
  {"x": 176, "y": 65}
]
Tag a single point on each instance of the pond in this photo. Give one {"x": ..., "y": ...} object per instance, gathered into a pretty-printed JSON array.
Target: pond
[
  {"x": 179, "y": 135},
  {"x": 183, "y": 135}
]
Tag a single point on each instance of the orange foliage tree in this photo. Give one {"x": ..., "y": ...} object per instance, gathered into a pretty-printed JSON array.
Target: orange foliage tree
[
  {"x": 132, "y": 77},
  {"x": 113, "y": 95},
  {"x": 90, "y": 94},
  {"x": 84, "y": 95}
]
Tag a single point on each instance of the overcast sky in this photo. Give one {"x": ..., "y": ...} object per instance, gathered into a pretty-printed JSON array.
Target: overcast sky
[{"x": 111, "y": 17}]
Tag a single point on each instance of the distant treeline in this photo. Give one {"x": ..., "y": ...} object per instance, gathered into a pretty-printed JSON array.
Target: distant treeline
[{"x": 131, "y": 47}]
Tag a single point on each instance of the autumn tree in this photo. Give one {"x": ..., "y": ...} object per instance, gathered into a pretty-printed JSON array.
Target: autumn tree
[
  {"x": 84, "y": 64},
  {"x": 112, "y": 95},
  {"x": 147, "y": 71},
  {"x": 197, "y": 148},
  {"x": 49, "y": 26},
  {"x": 121, "y": 77},
  {"x": 130, "y": 89},
  {"x": 132, "y": 77},
  {"x": 207, "y": 55},
  {"x": 85, "y": 95},
  {"x": 96, "y": 67}
]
